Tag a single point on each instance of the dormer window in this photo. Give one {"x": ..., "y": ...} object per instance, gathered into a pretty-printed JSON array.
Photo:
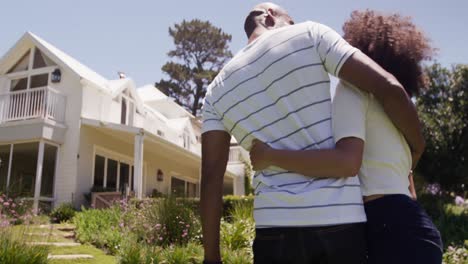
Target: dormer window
[
  {"x": 186, "y": 138},
  {"x": 127, "y": 109}
]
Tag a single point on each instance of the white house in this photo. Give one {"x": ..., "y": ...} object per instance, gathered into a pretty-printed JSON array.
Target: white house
[{"x": 64, "y": 129}]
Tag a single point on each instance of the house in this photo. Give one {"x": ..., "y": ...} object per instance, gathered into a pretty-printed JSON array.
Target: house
[{"x": 64, "y": 129}]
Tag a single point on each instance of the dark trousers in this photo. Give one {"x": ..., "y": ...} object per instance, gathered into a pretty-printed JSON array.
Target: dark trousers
[
  {"x": 399, "y": 231},
  {"x": 309, "y": 245}
]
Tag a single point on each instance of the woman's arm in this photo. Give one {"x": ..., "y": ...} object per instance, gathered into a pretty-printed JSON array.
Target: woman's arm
[
  {"x": 342, "y": 161},
  {"x": 349, "y": 110}
]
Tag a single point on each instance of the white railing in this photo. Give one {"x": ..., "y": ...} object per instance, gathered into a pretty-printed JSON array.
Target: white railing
[
  {"x": 235, "y": 155},
  {"x": 42, "y": 102}
]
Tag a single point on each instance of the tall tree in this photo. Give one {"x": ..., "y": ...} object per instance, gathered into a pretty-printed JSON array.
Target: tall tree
[
  {"x": 443, "y": 108},
  {"x": 201, "y": 50}
]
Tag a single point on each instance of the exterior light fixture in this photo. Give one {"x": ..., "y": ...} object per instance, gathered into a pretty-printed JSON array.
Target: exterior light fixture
[
  {"x": 160, "y": 175},
  {"x": 56, "y": 76}
]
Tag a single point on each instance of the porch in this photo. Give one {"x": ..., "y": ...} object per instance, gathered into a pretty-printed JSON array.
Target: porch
[
  {"x": 123, "y": 158},
  {"x": 28, "y": 170}
]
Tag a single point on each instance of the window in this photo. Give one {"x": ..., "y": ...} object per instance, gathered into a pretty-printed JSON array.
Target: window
[
  {"x": 40, "y": 60},
  {"x": 19, "y": 177},
  {"x": 186, "y": 138},
  {"x": 22, "y": 64},
  {"x": 124, "y": 176},
  {"x": 4, "y": 163},
  {"x": 23, "y": 169},
  {"x": 40, "y": 80},
  {"x": 99, "y": 167},
  {"x": 19, "y": 84},
  {"x": 112, "y": 174},
  {"x": 23, "y": 79},
  {"x": 48, "y": 171},
  {"x": 127, "y": 109},
  {"x": 183, "y": 188},
  {"x": 123, "y": 112}
]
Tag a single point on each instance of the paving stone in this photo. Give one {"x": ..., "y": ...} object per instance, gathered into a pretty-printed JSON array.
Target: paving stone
[
  {"x": 57, "y": 244},
  {"x": 72, "y": 256}
]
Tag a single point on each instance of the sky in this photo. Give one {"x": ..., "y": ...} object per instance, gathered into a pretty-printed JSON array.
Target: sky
[{"x": 132, "y": 36}]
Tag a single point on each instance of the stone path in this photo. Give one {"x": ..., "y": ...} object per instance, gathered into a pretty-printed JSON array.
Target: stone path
[
  {"x": 57, "y": 244},
  {"x": 71, "y": 256},
  {"x": 67, "y": 232}
]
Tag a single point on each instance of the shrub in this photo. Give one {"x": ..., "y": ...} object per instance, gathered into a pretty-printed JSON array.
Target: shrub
[
  {"x": 230, "y": 201},
  {"x": 455, "y": 255},
  {"x": 15, "y": 251},
  {"x": 451, "y": 220},
  {"x": 99, "y": 227},
  {"x": 62, "y": 213},
  {"x": 162, "y": 221},
  {"x": 14, "y": 210}
]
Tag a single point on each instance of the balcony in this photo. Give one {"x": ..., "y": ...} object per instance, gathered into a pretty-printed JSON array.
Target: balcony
[
  {"x": 38, "y": 103},
  {"x": 235, "y": 155}
]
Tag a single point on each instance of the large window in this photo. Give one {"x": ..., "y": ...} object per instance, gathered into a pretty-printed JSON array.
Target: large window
[
  {"x": 22, "y": 76},
  {"x": 23, "y": 169},
  {"x": 4, "y": 164},
  {"x": 112, "y": 174},
  {"x": 183, "y": 188},
  {"x": 48, "y": 171},
  {"x": 18, "y": 170},
  {"x": 99, "y": 170}
]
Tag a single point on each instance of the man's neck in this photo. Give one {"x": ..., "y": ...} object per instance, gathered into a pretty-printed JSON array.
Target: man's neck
[{"x": 256, "y": 33}]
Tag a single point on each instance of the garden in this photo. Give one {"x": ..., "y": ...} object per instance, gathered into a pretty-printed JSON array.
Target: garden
[{"x": 167, "y": 230}]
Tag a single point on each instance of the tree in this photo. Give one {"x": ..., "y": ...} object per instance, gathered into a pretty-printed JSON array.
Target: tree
[
  {"x": 201, "y": 50},
  {"x": 443, "y": 108}
]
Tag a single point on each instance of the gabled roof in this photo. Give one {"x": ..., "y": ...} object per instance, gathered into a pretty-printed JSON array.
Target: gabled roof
[
  {"x": 157, "y": 100},
  {"x": 149, "y": 93},
  {"x": 28, "y": 40},
  {"x": 180, "y": 124}
]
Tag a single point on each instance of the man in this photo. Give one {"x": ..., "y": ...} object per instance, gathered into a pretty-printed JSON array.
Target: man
[{"x": 277, "y": 90}]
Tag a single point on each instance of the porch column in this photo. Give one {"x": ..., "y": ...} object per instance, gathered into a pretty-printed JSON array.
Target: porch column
[
  {"x": 138, "y": 163},
  {"x": 37, "y": 189},
  {"x": 10, "y": 160}
]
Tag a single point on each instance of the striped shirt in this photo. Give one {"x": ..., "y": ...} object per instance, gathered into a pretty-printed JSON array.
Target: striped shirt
[{"x": 277, "y": 89}]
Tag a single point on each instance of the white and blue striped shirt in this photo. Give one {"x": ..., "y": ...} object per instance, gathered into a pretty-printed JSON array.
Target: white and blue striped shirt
[{"x": 277, "y": 89}]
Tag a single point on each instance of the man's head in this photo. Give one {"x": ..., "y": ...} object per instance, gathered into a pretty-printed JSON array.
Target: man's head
[{"x": 266, "y": 16}]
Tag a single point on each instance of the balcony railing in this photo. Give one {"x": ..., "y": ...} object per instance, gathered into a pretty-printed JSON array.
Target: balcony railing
[
  {"x": 235, "y": 155},
  {"x": 42, "y": 102}
]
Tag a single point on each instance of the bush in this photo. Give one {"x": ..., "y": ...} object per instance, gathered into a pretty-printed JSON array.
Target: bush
[
  {"x": 14, "y": 210},
  {"x": 62, "y": 213},
  {"x": 231, "y": 201},
  {"x": 455, "y": 255},
  {"x": 99, "y": 227},
  {"x": 162, "y": 222},
  {"x": 451, "y": 220},
  {"x": 16, "y": 251}
]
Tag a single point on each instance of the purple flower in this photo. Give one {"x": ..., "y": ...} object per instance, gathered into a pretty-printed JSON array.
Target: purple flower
[
  {"x": 459, "y": 200},
  {"x": 433, "y": 189}
]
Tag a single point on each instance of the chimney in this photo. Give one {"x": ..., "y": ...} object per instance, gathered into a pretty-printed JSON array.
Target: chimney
[{"x": 122, "y": 75}]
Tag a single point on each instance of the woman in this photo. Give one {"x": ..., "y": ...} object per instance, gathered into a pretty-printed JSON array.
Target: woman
[{"x": 398, "y": 229}]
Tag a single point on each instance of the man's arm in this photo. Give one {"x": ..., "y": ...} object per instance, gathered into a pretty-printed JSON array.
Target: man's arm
[
  {"x": 215, "y": 154},
  {"x": 362, "y": 72}
]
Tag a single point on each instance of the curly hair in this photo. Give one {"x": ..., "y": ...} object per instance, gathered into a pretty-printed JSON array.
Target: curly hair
[{"x": 394, "y": 42}]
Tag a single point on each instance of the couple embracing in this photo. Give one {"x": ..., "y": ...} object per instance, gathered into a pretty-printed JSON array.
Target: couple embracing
[{"x": 333, "y": 175}]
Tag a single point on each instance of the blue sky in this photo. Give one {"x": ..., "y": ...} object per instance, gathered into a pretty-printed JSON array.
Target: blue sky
[{"x": 132, "y": 36}]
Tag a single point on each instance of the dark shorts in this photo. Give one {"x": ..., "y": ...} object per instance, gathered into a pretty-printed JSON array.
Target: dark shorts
[
  {"x": 399, "y": 231},
  {"x": 300, "y": 245}
]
